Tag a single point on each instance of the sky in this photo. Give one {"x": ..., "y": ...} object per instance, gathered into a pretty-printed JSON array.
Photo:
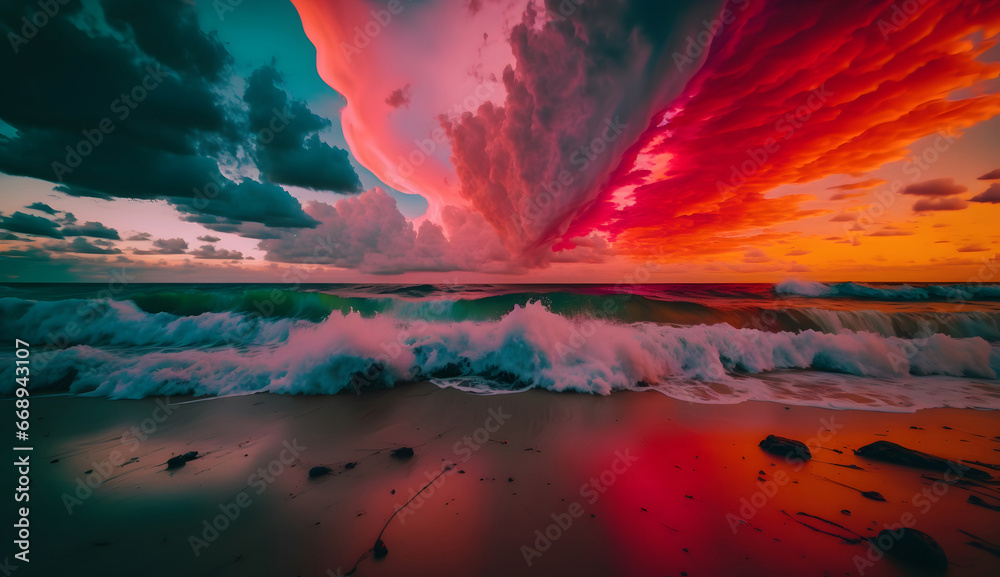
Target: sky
[{"x": 499, "y": 141}]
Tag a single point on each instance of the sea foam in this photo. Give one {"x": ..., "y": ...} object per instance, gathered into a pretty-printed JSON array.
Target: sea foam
[{"x": 529, "y": 347}]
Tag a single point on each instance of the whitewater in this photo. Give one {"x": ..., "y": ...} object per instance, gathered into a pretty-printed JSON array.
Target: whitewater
[{"x": 848, "y": 345}]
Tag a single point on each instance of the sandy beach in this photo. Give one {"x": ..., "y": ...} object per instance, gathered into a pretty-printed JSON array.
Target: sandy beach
[
  {"x": 536, "y": 483},
  {"x": 500, "y": 288}
]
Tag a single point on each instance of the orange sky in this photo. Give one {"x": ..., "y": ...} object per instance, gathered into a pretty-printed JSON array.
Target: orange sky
[{"x": 795, "y": 140}]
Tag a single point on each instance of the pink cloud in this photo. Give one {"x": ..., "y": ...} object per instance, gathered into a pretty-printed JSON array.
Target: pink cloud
[{"x": 369, "y": 233}]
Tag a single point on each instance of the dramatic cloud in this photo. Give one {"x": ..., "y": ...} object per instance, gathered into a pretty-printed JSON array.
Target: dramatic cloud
[
  {"x": 928, "y": 204},
  {"x": 169, "y": 32},
  {"x": 551, "y": 101},
  {"x": 530, "y": 165},
  {"x": 369, "y": 233},
  {"x": 42, "y": 207},
  {"x": 543, "y": 133},
  {"x": 165, "y": 246},
  {"x": 990, "y": 195},
  {"x": 208, "y": 251},
  {"x": 793, "y": 92},
  {"x": 93, "y": 230},
  {"x": 30, "y": 224},
  {"x": 248, "y": 201},
  {"x": 937, "y": 187},
  {"x": 973, "y": 248},
  {"x": 154, "y": 120},
  {"x": 289, "y": 149}
]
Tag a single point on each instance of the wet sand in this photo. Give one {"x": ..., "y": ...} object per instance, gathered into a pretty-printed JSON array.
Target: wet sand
[{"x": 631, "y": 484}]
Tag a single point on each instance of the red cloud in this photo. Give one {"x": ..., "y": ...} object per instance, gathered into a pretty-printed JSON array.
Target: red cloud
[
  {"x": 789, "y": 93},
  {"x": 794, "y": 92}
]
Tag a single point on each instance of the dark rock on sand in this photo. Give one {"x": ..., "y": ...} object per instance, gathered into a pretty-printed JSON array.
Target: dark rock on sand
[
  {"x": 402, "y": 453},
  {"x": 785, "y": 447},
  {"x": 180, "y": 460},
  {"x": 900, "y": 455},
  {"x": 318, "y": 471},
  {"x": 913, "y": 548},
  {"x": 380, "y": 550}
]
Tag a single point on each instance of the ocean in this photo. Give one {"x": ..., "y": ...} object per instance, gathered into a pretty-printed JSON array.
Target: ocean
[{"x": 895, "y": 347}]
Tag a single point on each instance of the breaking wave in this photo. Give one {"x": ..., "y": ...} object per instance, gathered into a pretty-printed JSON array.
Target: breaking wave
[
  {"x": 117, "y": 349},
  {"x": 901, "y": 292}
]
